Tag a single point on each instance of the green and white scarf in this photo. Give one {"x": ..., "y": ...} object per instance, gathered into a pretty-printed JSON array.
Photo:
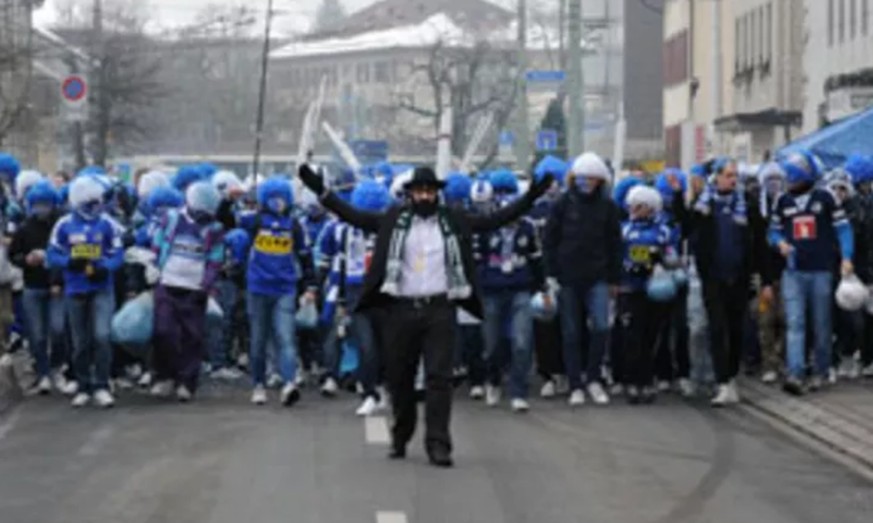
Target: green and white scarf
[{"x": 458, "y": 286}]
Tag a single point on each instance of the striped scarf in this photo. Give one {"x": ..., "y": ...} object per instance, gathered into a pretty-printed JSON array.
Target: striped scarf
[{"x": 458, "y": 287}]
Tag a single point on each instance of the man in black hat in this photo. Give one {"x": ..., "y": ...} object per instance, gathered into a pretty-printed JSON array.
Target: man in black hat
[{"x": 422, "y": 268}]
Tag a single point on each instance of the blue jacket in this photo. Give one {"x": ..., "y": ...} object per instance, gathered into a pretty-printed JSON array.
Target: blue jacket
[
  {"x": 97, "y": 241},
  {"x": 510, "y": 258},
  {"x": 644, "y": 243},
  {"x": 814, "y": 224},
  {"x": 280, "y": 255}
]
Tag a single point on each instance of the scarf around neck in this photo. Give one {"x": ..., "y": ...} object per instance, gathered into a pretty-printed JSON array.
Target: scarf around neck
[{"x": 458, "y": 285}]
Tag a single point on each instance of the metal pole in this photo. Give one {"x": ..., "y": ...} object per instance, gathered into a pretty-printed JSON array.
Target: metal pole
[
  {"x": 562, "y": 34},
  {"x": 522, "y": 132},
  {"x": 262, "y": 93},
  {"x": 575, "y": 81}
]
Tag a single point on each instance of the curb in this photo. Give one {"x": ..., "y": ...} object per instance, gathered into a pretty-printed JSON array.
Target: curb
[
  {"x": 853, "y": 442},
  {"x": 10, "y": 389}
]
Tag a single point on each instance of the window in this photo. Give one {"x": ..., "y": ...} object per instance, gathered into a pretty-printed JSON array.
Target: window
[
  {"x": 830, "y": 22},
  {"x": 853, "y": 14},
  {"x": 737, "y": 46},
  {"x": 865, "y": 16},
  {"x": 842, "y": 21},
  {"x": 382, "y": 72},
  {"x": 768, "y": 33},
  {"x": 362, "y": 72}
]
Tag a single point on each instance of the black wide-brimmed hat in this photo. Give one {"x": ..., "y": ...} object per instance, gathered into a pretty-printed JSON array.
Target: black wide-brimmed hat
[{"x": 424, "y": 177}]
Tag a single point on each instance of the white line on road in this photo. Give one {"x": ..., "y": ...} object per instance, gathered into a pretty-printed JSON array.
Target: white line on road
[
  {"x": 92, "y": 446},
  {"x": 7, "y": 426},
  {"x": 390, "y": 517},
  {"x": 376, "y": 429}
]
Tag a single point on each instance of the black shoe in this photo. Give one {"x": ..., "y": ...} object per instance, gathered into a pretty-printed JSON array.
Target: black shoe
[
  {"x": 440, "y": 458},
  {"x": 793, "y": 386},
  {"x": 397, "y": 452}
]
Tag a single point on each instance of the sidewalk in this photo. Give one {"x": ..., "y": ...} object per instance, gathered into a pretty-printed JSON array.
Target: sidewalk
[{"x": 840, "y": 417}]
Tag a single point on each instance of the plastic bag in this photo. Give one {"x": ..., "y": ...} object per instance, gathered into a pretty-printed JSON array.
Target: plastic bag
[
  {"x": 133, "y": 324},
  {"x": 307, "y": 315}
]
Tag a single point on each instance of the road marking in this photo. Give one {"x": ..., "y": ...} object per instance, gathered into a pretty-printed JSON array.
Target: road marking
[
  {"x": 7, "y": 426},
  {"x": 390, "y": 517},
  {"x": 376, "y": 429},
  {"x": 92, "y": 446}
]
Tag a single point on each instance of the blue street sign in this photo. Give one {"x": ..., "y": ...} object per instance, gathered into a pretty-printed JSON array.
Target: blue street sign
[
  {"x": 547, "y": 140},
  {"x": 548, "y": 77}
]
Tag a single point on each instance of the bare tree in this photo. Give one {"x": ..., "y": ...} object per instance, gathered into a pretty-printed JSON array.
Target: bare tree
[
  {"x": 15, "y": 65},
  {"x": 124, "y": 73},
  {"x": 472, "y": 81}
]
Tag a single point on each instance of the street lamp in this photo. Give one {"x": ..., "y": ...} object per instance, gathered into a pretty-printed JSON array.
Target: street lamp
[{"x": 262, "y": 93}]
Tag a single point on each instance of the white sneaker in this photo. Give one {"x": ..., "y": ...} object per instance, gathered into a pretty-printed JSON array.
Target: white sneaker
[
  {"x": 70, "y": 388},
  {"x": 832, "y": 376},
  {"x": 122, "y": 384},
  {"x": 302, "y": 378},
  {"x": 368, "y": 407},
  {"x": 477, "y": 392},
  {"x": 290, "y": 394},
  {"x": 867, "y": 371},
  {"x": 145, "y": 381},
  {"x": 663, "y": 386},
  {"x": 492, "y": 395},
  {"x": 259, "y": 395},
  {"x": 384, "y": 403},
  {"x": 226, "y": 374},
  {"x": 734, "y": 392},
  {"x": 274, "y": 381},
  {"x": 80, "y": 400},
  {"x": 44, "y": 386},
  {"x": 548, "y": 389},
  {"x": 519, "y": 405},
  {"x": 103, "y": 398},
  {"x": 329, "y": 387},
  {"x": 6, "y": 360},
  {"x": 577, "y": 398},
  {"x": 59, "y": 382},
  {"x": 770, "y": 377},
  {"x": 597, "y": 394},
  {"x": 162, "y": 389},
  {"x": 723, "y": 396},
  {"x": 686, "y": 387},
  {"x": 183, "y": 394},
  {"x": 617, "y": 389}
]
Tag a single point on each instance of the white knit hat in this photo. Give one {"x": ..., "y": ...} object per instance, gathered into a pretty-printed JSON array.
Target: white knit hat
[
  {"x": 645, "y": 195},
  {"x": 589, "y": 165}
]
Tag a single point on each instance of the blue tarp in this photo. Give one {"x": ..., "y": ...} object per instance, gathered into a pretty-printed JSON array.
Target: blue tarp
[{"x": 836, "y": 142}]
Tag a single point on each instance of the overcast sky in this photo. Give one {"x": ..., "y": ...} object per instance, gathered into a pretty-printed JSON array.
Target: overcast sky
[{"x": 181, "y": 12}]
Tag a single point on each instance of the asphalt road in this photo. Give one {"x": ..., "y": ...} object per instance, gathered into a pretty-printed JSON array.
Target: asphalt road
[{"x": 220, "y": 460}]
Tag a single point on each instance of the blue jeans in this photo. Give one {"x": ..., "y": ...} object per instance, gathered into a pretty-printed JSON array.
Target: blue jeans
[
  {"x": 90, "y": 318},
  {"x": 578, "y": 306},
  {"x": 272, "y": 318},
  {"x": 498, "y": 309},
  {"x": 812, "y": 291},
  {"x": 360, "y": 331},
  {"x": 44, "y": 317},
  {"x": 221, "y": 340}
]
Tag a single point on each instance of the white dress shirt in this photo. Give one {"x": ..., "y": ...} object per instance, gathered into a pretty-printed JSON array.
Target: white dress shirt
[{"x": 424, "y": 260}]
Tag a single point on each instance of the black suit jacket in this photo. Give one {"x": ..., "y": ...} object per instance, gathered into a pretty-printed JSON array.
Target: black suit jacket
[{"x": 463, "y": 224}]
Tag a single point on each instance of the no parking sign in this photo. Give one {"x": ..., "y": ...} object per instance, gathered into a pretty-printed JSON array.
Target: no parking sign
[{"x": 74, "y": 92}]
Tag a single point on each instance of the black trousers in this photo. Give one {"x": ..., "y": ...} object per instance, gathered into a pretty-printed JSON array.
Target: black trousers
[
  {"x": 726, "y": 304},
  {"x": 638, "y": 322},
  {"x": 672, "y": 357},
  {"x": 547, "y": 347},
  {"x": 410, "y": 333}
]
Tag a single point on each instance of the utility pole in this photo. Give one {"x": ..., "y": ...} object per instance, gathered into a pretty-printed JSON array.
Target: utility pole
[
  {"x": 575, "y": 81},
  {"x": 262, "y": 93},
  {"x": 522, "y": 131},
  {"x": 562, "y": 35}
]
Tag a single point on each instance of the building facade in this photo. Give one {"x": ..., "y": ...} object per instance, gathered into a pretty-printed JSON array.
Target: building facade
[{"x": 837, "y": 61}]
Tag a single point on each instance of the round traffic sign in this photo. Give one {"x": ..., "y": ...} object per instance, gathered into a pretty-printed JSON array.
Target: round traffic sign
[{"x": 74, "y": 88}]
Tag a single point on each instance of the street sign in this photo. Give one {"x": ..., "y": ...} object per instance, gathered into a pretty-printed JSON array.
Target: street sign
[
  {"x": 74, "y": 93},
  {"x": 545, "y": 77},
  {"x": 547, "y": 140},
  {"x": 505, "y": 143}
]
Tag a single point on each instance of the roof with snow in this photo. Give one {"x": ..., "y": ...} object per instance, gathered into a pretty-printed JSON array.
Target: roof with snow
[
  {"x": 387, "y": 14},
  {"x": 438, "y": 28}
]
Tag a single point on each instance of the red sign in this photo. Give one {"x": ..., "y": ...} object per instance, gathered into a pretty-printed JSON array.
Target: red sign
[
  {"x": 804, "y": 228},
  {"x": 74, "y": 88}
]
